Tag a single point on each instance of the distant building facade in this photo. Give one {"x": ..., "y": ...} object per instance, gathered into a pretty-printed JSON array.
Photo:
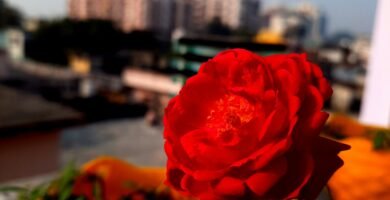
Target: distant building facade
[
  {"x": 12, "y": 43},
  {"x": 128, "y": 15},
  {"x": 77, "y": 9},
  {"x": 195, "y": 15},
  {"x": 228, "y": 11},
  {"x": 164, "y": 15},
  {"x": 135, "y": 15},
  {"x": 251, "y": 17},
  {"x": 303, "y": 23}
]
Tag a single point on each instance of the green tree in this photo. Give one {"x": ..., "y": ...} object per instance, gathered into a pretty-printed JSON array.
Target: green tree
[
  {"x": 216, "y": 27},
  {"x": 9, "y": 17}
]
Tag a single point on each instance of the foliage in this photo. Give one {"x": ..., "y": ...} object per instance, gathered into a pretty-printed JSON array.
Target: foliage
[
  {"x": 91, "y": 183},
  {"x": 9, "y": 16},
  {"x": 216, "y": 27},
  {"x": 342, "y": 126},
  {"x": 55, "y": 40},
  {"x": 44, "y": 191}
]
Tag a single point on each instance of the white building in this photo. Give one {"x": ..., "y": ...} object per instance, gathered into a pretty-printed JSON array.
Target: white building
[
  {"x": 376, "y": 101},
  {"x": 304, "y": 21},
  {"x": 12, "y": 41},
  {"x": 195, "y": 15}
]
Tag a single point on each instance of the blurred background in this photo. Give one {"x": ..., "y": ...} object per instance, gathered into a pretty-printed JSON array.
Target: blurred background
[{"x": 83, "y": 78}]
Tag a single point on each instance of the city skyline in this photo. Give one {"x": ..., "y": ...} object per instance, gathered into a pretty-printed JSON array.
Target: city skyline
[
  {"x": 164, "y": 16},
  {"x": 341, "y": 15}
]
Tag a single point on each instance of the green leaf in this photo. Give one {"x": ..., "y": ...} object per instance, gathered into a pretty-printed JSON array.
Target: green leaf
[
  {"x": 382, "y": 140},
  {"x": 39, "y": 191},
  {"x": 64, "y": 185},
  {"x": 97, "y": 190},
  {"x": 65, "y": 193},
  {"x": 22, "y": 193},
  {"x": 378, "y": 140},
  {"x": 65, "y": 182}
]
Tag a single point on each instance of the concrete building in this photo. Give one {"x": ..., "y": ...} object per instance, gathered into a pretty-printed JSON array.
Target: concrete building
[
  {"x": 117, "y": 10},
  {"x": 234, "y": 13},
  {"x": 189, "y": 16},
  {"x": 77, "y": 9},
  {"x": 231, "y": 13},
  {"x": 12, "y": 43},
  {"x": 101, "y": 10},
  {"x": 314, "y": 20},
  {"x": 127, "y": 14},
  {"x": 89, "y": 9},
  {"x": 304, "y": 23},
  {"x": 162, "y": 15},
  {"x": 251, "y": 17},
  {"x": 213, "y": 9},
  {"x": 195, "y": 15},
  {"x": 135, "y": 15}
]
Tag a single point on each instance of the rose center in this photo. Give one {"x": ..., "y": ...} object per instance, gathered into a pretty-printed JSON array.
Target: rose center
[{"x": 228, "y": 115}]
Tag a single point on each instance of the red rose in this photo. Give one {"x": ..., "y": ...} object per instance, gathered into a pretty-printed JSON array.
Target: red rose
[{"x": 247, "y": 127}]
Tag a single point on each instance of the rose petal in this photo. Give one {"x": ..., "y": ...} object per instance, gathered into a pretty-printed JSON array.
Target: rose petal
[
  {"x": 174, "y": 177},
  {"x": 313, "y": 102},
  {"x": 287, "y": 82},
  {"x": 299, "y": 171},
  {"x": 317, "y": 122},
  {"x": 276, "y": 61},
  {"x": 193, "y": 186},
  {"x": 267, "y": 152},
  {"x": 209, "y": 175},
  {"x": 266, "y": 178},
  {"x": 201, "y": 148},
  {"x": 175, "y": 151},
  {"x": 185, "y": 114},
  {"x": 230, "y": 186},
  {"x": 326, "y": 162},
  {"x": 294, "y": 104},
  {"x": 276, "y": 125},
  {"x": 312, "y": 127},
  {"x": 317, "y": 72},
  {"x": 324, "y": 88}
]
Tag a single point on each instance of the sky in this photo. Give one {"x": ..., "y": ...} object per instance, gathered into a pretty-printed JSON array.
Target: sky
[{"x": 356, "y": 16}]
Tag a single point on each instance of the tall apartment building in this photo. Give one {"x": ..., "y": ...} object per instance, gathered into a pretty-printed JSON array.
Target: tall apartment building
[
  {"x": 160, "y": 15},
  {"x": 190, "y": 15},
  {"x": 101, "y": 10},
  {"x": 117, "y": 10},
  {"x": 77, "y": 9},
  {"x": 129, "y": 15},
  {"x": 135, "y": 15},
  {"x": 228, "y": 11},
  {"x": 251, "y": 17},
  {"x": 236, "y": 14}
]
